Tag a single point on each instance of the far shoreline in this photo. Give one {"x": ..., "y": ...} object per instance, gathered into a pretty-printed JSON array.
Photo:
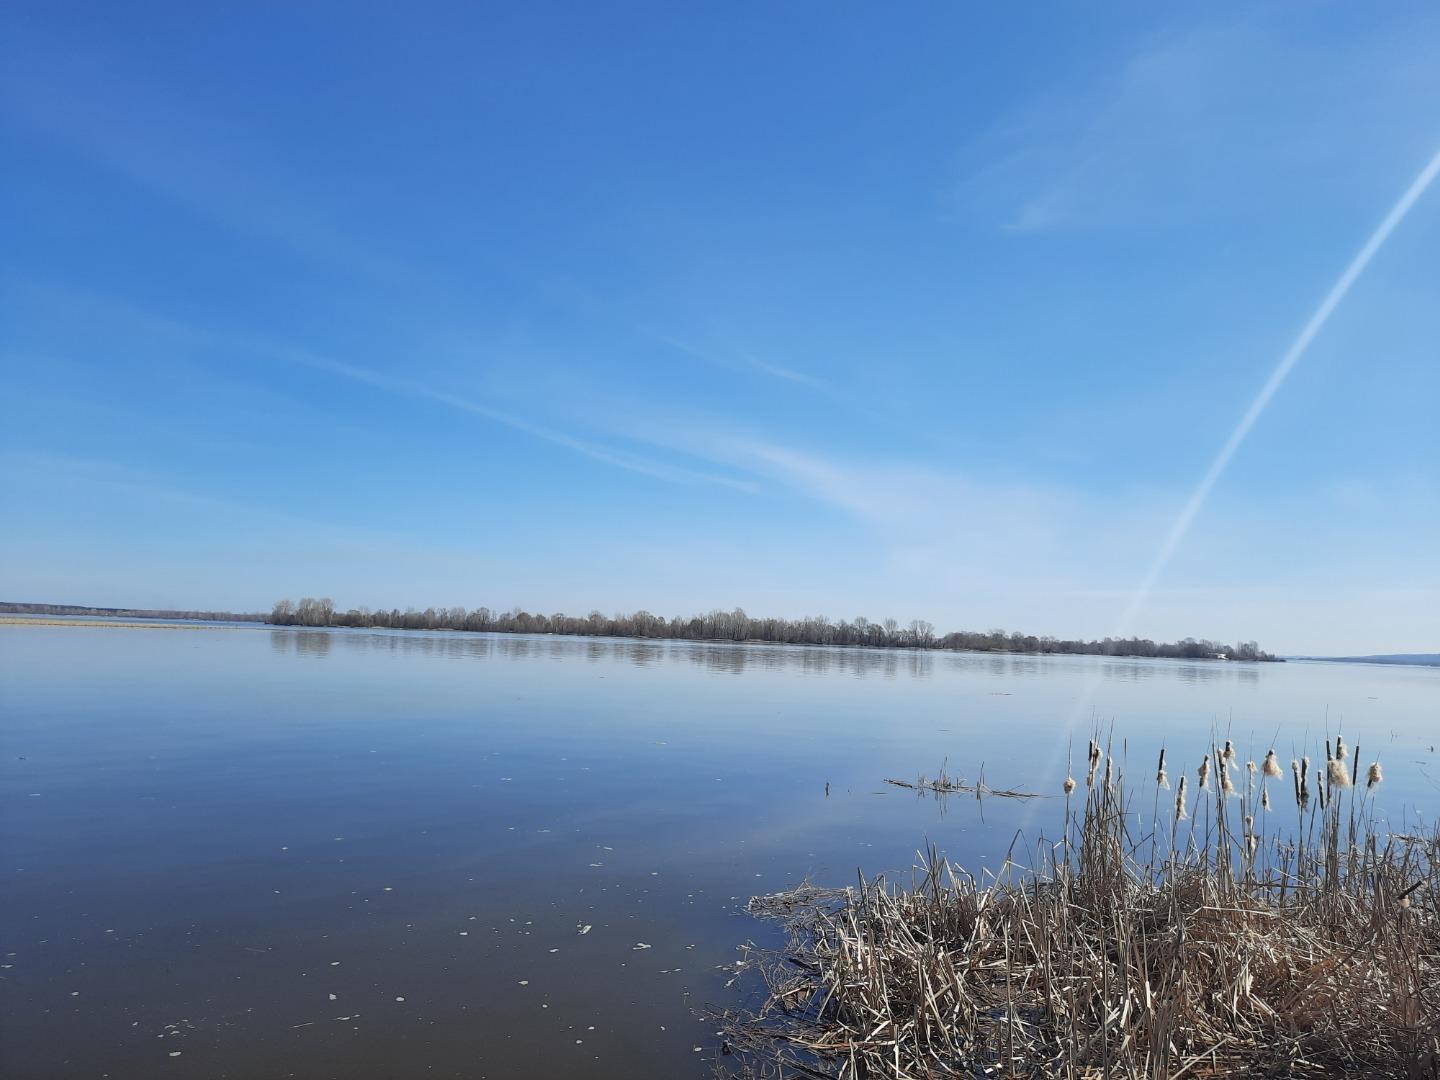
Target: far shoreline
[
  {"x": 239, "y": 622},
  {"x": 150, "y": 622}
]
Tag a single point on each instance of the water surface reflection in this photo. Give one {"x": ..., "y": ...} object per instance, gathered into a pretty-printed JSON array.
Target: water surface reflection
[
  {"x": 738, "y": 657},
  {"x": 205, "y": 834}
]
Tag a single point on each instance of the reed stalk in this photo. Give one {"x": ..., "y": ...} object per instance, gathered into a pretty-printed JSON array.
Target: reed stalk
[{"x": 1309, "y": 953}]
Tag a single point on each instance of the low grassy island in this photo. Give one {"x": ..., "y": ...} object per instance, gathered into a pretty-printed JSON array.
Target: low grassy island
[{"x": 1215, "y": 942}]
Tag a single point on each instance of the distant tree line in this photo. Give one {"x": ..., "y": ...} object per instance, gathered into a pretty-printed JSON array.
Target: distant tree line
[
  {"x": 13, "y": 608},
  {"x": 738, "y": 626}
]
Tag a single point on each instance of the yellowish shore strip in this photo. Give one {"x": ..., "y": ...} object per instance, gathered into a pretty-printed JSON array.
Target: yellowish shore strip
[{"x": 116, "y": 624}]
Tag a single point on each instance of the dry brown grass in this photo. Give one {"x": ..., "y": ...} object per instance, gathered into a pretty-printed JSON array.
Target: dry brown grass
[{"x": 1205, "y": 947}]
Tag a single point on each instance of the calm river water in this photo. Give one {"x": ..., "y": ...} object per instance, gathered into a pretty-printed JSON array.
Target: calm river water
[{"x": 246, "y": 852}]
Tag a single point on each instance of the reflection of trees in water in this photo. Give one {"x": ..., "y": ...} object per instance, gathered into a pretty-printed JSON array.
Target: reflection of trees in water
[
  {"x": 1186, "y": 672},
  {"x": 313, "y": 642},
  {"x": 302, "y": 642},
  {"x": 641, "y": 653},
  {"x": 1197, "y": 671},
  {"x": 736, "y": 658}
]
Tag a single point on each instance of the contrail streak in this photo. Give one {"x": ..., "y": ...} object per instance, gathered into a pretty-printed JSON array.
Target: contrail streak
[
  {"x": 1176, "y": 536},
  {"x": 1287, "y": 363}
]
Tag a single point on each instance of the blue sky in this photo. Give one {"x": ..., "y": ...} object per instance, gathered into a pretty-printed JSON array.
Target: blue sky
[{"x": 935, "y": 311}]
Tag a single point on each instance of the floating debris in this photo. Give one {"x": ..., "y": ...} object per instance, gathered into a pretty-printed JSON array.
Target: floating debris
[{"x": 948, "y": 785}]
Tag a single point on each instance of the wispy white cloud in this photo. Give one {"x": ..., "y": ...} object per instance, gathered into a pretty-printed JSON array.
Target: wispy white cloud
[
  {"x": 1173, "y": 134},
  {"x": 922, "y": 520},
  {"x": 609, "y": 455},
  {"x": 800, "y": 378},
  {"x": 146, "y": 325},
  {"x": 740, "y": 360}
]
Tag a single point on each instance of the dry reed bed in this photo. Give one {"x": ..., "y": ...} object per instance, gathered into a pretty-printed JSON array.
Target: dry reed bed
[{"x": 1219, "y": 943}]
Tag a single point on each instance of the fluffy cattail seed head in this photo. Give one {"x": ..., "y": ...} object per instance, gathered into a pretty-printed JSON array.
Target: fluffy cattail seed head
[
  {"x": 1250, "y": 767},
  {"x": 1265, "y": 799},
  {"x": 1229, "y": 754},
  {"x": 1069, "y": 785},
  {"x": 1226, "y": 786},
  {"x": 1337, "y": 772},
  {"x": 1204, "y": 772},
  {"x": 1373, "y": 776},
  {"x": 1340, "y": 748},
  {"x": 1162, "y": 781},
  {"x": 1180, "y": 814},
  {"x": 1270, "y": 766}
]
